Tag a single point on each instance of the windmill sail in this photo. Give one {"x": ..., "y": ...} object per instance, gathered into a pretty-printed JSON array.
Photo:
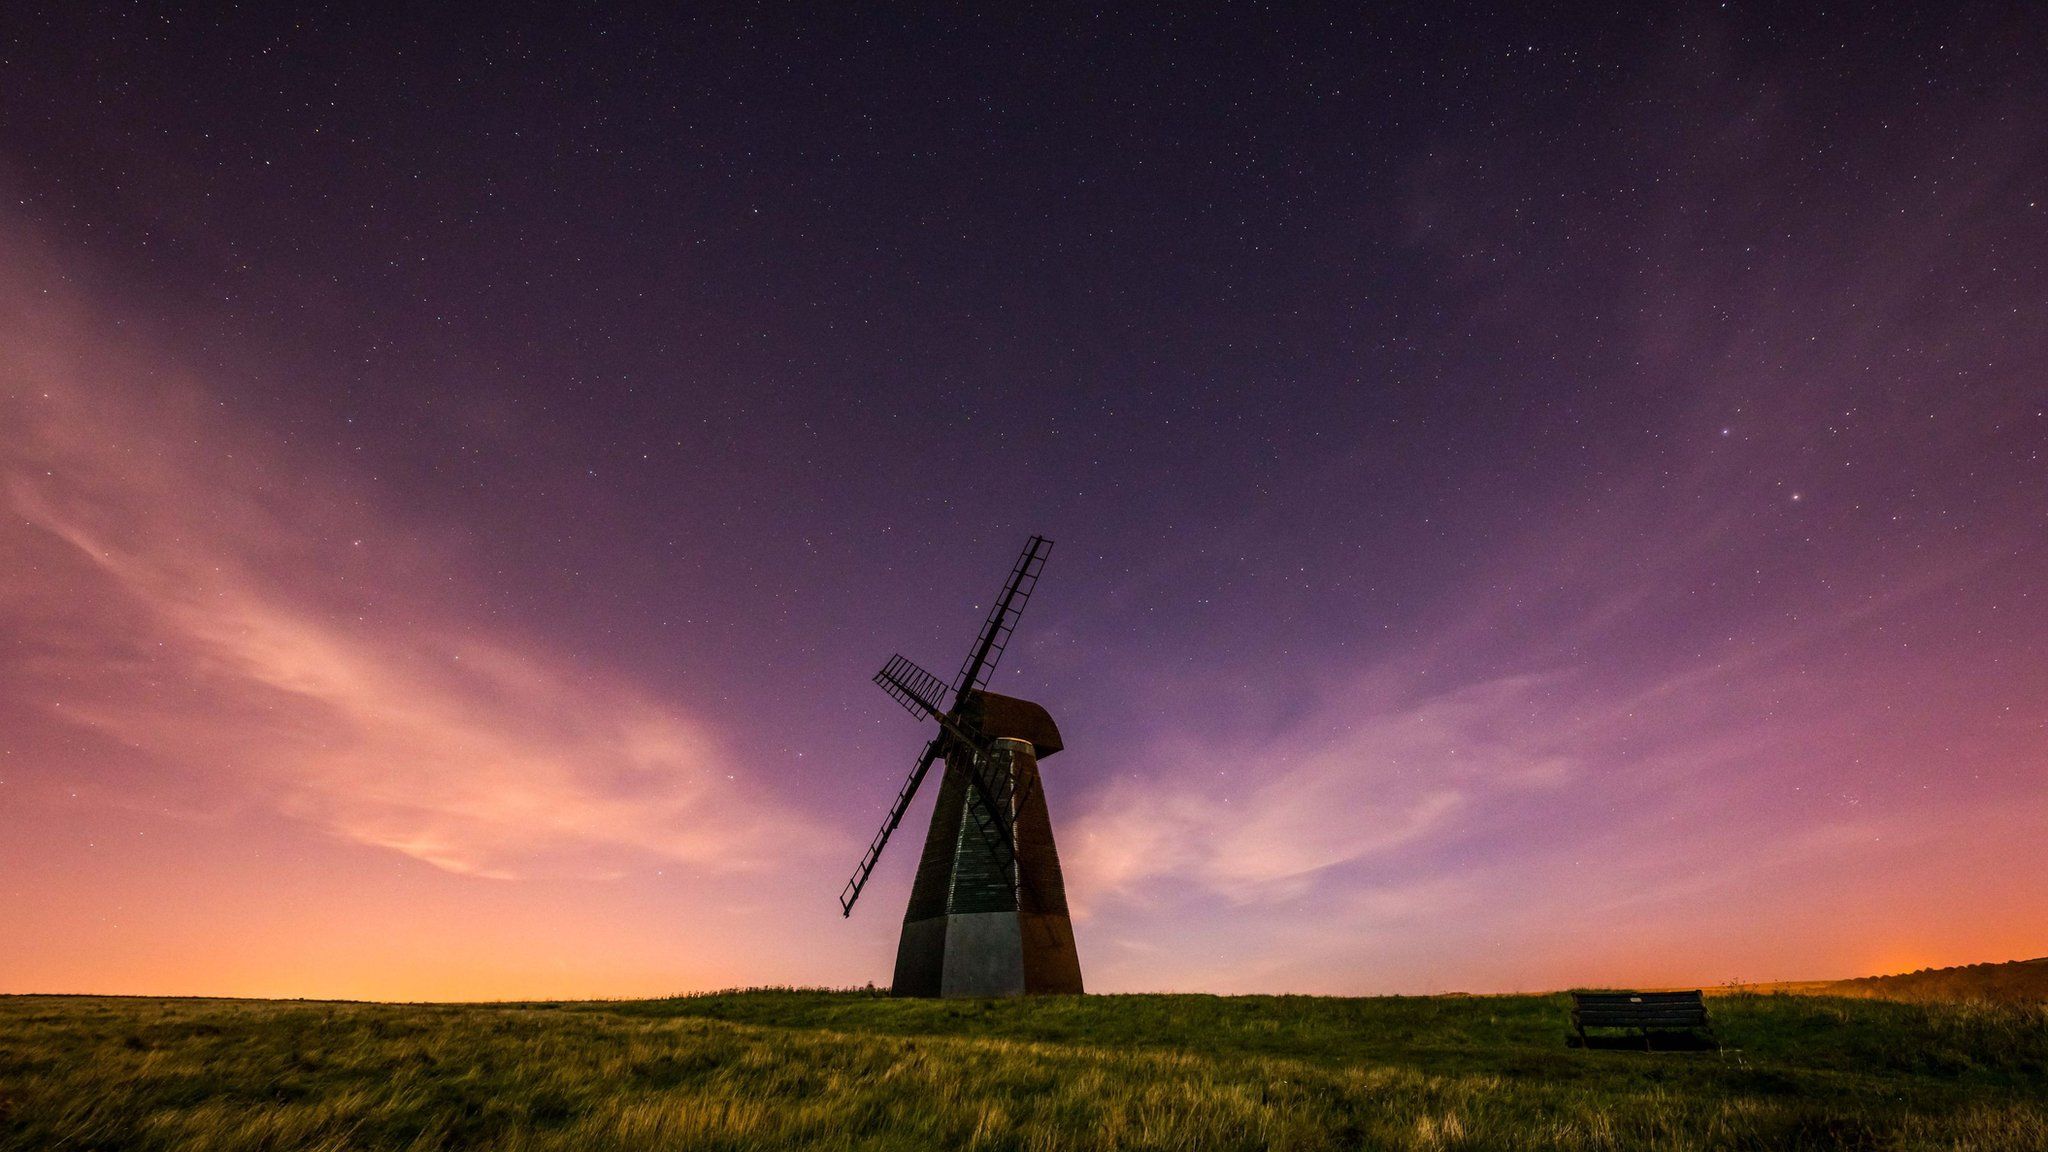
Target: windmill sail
[
  {"x": 866, "y": 868},
  {"x": 1002, "y": 620},
  {"x": 917, "y": 690}
]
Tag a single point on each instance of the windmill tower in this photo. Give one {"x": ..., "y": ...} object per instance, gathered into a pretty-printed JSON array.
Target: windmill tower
[{"x": 988, "y": 911}]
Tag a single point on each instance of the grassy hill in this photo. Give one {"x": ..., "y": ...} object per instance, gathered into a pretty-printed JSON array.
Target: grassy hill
[
  {"x": 2014, "y": 982},
  {"x": 772, "y": 1070}
]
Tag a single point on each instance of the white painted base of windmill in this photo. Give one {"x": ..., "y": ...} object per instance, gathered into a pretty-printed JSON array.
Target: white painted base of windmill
[
  {"x": 981, "y": 953},
  {"x": 984, "y": 954}
]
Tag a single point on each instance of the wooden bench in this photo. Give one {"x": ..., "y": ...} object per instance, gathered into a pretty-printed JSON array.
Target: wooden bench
[{"x": 1645, "y": 1012}]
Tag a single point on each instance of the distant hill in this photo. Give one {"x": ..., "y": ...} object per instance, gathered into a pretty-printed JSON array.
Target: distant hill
[{"x": 2015, "y": 981}]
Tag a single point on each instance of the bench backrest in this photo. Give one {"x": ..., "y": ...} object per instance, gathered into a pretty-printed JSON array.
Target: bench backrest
[{"x": 1639, "y": 1009}]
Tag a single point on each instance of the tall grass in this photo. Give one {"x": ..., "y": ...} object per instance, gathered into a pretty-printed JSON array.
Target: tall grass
[{"x": 772, "y": 1070}]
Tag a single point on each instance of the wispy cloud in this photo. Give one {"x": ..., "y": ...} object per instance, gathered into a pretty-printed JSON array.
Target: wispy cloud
[
  {"x": 252, "y": 619},
  {"x": 1361, "y": 775}
]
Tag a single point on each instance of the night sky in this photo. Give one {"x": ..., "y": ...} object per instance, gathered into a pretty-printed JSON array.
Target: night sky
[{"x": 1537, "y": 502}]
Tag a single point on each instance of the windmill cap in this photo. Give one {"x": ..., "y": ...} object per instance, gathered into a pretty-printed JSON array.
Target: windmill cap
[{"x": 1008, "y": 718}]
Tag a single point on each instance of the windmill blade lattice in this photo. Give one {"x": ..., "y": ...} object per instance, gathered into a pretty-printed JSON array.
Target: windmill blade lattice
[
  {"x": 866, "y": 868},
  {"x": 1002, "y": 620},
  {"x": 921, "y": 693}
]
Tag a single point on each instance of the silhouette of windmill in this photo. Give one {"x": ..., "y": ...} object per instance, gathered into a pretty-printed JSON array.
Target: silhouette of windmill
[{"x": 988, "y": 911}]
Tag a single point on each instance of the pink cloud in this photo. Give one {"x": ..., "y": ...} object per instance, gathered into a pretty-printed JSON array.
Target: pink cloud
[{"x": 241, "y": 614}]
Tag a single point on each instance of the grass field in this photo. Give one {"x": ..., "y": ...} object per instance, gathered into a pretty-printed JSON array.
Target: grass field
[{"x": 773, "y": 1070}]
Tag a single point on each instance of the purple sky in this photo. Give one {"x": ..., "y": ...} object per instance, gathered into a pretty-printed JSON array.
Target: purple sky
[{"x": 1536, "y": 502}]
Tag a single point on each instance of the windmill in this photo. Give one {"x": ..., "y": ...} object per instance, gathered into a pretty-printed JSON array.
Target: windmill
[{"x": 988, "y": 910}]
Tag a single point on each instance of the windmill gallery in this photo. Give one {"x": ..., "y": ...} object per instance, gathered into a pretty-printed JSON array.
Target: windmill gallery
[{"x": 988, "y": 909}]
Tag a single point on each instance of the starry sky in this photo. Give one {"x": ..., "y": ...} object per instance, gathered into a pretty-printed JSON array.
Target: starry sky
[{"x": 1538, "y": 501}]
